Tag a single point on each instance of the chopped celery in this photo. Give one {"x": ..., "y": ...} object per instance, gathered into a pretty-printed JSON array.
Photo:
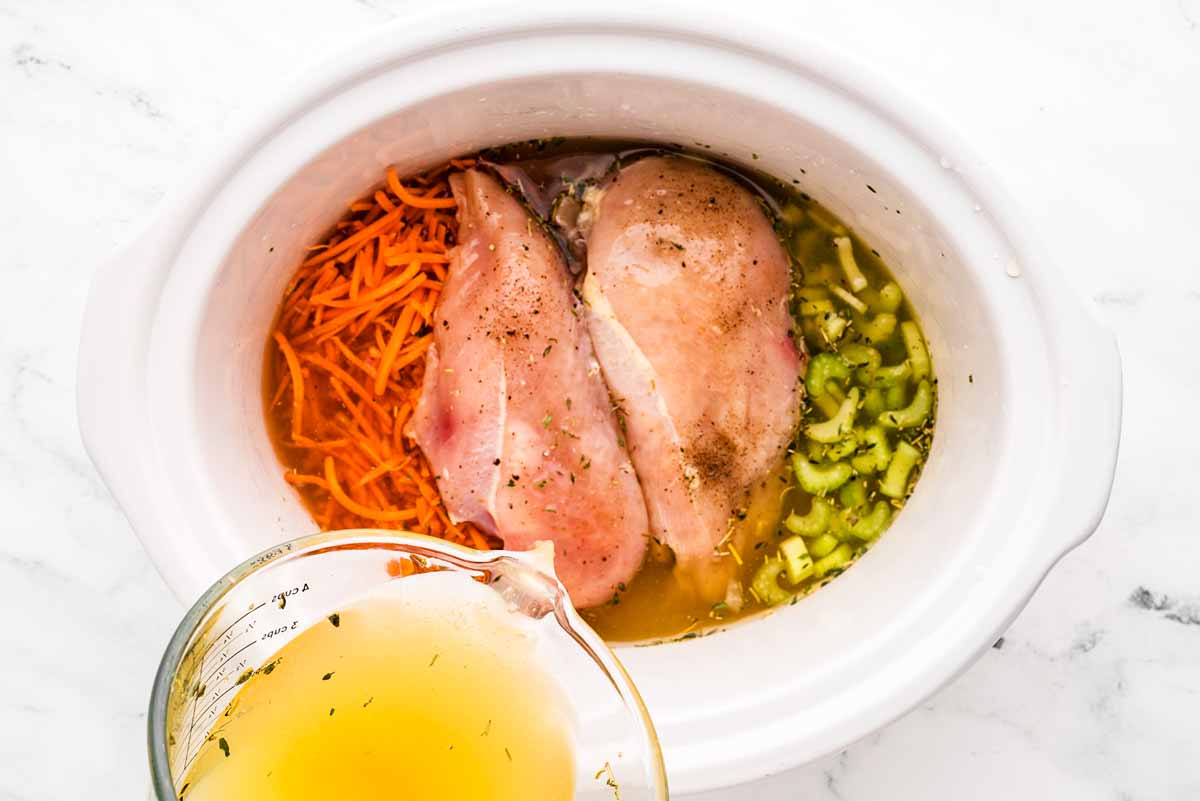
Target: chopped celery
[
  {"x": 890, "y": 296},
  {"x": 863, "y": 359},
  {"x": 835, "y": 560},
  {"x": 833, "y": 326},
  {"x": 853, "y": 494},
  {"x": 814, "y": 522},
  {"x": 845, "y": 251},
  {"x": 827, "y": 404},
  {"x": 849, "y": 299},
  {"x": 896, "y": 397},
  {"x": 796, "y": 560},
  {"x": 870, "y": 526},
  {"x": 822, "y": 479},
  {"x": 885, "y": 377},
  {"x": 838, "y": 426},
  {"x": 895, "y": 480},
  {"x": 766, "y": 583},
  {"x": 918, "y": 354},
  {"x": 878, "y": 328},
  {"x": 840, "y": 450},
  {"x": 814, "y": 306},
  {"x": 876, "y": 453},
  {"x": 873, "y": 404},
  {"x": 823, "y": 368},
  {"x": 823, "y": 545},
  {"x": 915, "y": 413}
]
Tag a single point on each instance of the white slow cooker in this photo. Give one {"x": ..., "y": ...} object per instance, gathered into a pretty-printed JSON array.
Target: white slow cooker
[{"x": 1029, "y": 417}]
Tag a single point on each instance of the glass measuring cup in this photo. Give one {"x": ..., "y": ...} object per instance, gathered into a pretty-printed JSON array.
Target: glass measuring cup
[{"x": 261, "y": 605}]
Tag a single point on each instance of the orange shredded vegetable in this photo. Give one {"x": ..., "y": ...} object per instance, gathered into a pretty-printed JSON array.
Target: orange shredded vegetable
[{"x": 346, "y": 362}]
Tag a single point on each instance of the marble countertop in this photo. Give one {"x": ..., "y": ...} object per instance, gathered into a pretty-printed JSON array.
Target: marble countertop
[{"x": 1088, "y": 112}]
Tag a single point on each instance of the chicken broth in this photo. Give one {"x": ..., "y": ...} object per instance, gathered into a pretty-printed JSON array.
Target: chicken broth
[{"x": 814, "y": 481}]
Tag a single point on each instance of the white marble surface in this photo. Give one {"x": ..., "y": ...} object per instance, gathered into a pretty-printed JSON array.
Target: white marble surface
[{"x": 1090, "y": 113}]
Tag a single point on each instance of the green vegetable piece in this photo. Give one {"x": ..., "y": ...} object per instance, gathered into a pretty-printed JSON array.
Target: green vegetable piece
[
  {"x": 895, "y": 480},
  {"x": 811, "y": 305},
  {"x": 827, "y": 404},
  {"x": 815, "y": 522},
  {"x": 766, "y": 582},
  {"x": 890, "y": 297},
  {"x": 845, "y": 251},
  {"x": 863, "y": 359},
  {"x": 918, "y": 354},
  {"x": 823, "y": 545},
  {"x": 869, "y": 527},
  {"x": 873, "y": 404},
  {"x": 836, "y": 560},
  {"x": 823, "y": 368},
  {"x": 838, "y": 426},
  {"x": 853, "y": 494},
  {"x": 915, "y": 413},
  {"x": 820, "y": 479},
  {"x": 896, "y": 397},
  {"x": 878, "y": 328},
  {"x": 885, "y": 377},
  {"x": 877, "y": 451},
  {"x": 848, "y": 298},
  {"x": 796, "y": 560},
  {"x": 833, "y": 326},
  {"x": 840, "y": 450}
]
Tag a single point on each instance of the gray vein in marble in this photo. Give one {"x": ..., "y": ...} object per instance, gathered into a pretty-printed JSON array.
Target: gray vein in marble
[
  {"x": 1184, "y": 612},
  {"x": 1119, "y": 297}
]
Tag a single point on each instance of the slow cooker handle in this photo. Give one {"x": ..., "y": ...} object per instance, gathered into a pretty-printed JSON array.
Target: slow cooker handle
[
  {"x": 118, "y": 321},
  {"x": 1089, "y": 424}
]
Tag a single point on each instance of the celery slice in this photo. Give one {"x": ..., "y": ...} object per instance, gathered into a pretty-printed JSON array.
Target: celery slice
[
  {"x": 845, "y": 251},
  {"x": 815, "y": 522},
  {"x": 823, "y": 545},
  {"x": 885, "y": 377},
  {"x": 766, "y": 582},
  {"x": 823, "y": 368},
  {"x": 890, "y": 296},
  {"x": 873, "y": 404},
  {"x": 915, "y": 413},
  {"x": 833, "y": 326},
  {"x": 838, "y": 426},
  {"x": 853, "y": 494},
  {"x": 918, "y": 354},
  {"x": 835, "y": 560},
  {"x": 848, "y": 298},
  {"x": 876, "y": 329},
  {"x": 877, "y": 454},
  {"x": 895, "y": 480},
  {"x": 820, "y": 479},
  {"x": 796, "y": 559},
  {"x": 863, "y": 359},
  {"x": 870, "y": 526}
]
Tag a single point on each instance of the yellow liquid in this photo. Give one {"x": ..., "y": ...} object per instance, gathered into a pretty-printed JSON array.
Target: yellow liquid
[{"x": 398, "y": 701}]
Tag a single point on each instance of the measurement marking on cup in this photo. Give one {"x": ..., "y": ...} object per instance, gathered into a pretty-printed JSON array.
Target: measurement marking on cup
[
  {"x": 227, "y": 660},
  {"x": 239, "y": 620},
  {"x": 207, "y": 709},
  {"x": 195, "y": 702}
]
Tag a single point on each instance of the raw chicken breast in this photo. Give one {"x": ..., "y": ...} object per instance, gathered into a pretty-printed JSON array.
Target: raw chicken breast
[
  {"x": 514, "y": 416},
  {"x": 687, "y": 290}
]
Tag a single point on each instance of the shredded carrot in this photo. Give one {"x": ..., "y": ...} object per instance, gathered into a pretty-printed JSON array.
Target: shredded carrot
[{"x": 349, "y": 350}]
